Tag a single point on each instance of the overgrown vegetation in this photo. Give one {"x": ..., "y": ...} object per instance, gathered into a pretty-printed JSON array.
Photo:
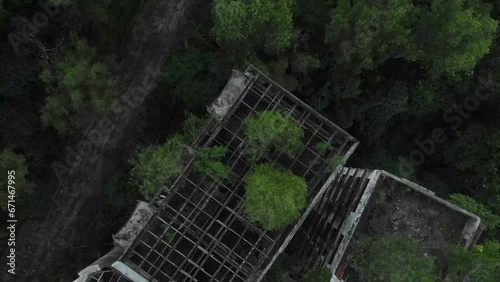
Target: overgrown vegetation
[
  {"x": 281, "y": 268},
  {"x": 323, "y": 147},
  {"x": 388, "y": 72},
  {"x": 80, "y": 86},
  {"x": 270, "y": 129},
  {"x": 189, "y": 80},
  {"x": 119, "y": 191},
  {"x": 336, "y": 161},
  {"x": 391, "y": 259},
  {"x": 381, "y": 198},
  {"x": 318, "y": 275},
  {"x": 209, "y": 162},
  {"x": 481, "y": 264},
  {"x": 170, "y": 234},
  {"x": 491, "y": 220},
  {"x": 274, "y": 198},
  {"x": 193, "y": 126},
  {"x": 157, "y": 166},
  {"x": 15, "y": 177},
  {"x": 245, "y": 21}
]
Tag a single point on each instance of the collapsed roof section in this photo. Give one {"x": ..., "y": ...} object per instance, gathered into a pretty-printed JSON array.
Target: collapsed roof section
[{"x": 198, "y": 231}]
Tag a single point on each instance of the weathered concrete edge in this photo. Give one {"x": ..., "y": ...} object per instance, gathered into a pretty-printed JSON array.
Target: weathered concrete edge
[
  {"x": 229, "y": 95},
  {"x": 470, "y": 229},
  {"x": 131, "y": 229},
  {"x": 104, "y": 262},
  {"x": 351, "y": 222}
]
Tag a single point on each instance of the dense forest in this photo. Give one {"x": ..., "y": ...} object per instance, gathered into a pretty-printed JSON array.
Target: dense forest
[{"x": 416, "y": 81}]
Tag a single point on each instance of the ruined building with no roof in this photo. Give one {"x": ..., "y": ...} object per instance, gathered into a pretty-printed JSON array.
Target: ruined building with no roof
[{"x": 196, "y": 229}]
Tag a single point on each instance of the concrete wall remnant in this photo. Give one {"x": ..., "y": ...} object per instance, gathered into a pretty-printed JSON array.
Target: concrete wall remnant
[
  {"x": 127, "y": 234},
  {"x": 229, "y": 96}
]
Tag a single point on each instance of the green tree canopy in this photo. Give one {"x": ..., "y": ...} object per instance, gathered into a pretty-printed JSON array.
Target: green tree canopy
[
  {"x": 390, "y": 259},
  {"x": 445, "y": 36},
  {"x": 272, "y": 128},
  {"x": 482, "y": 264},
  {"x": 369, "y": 33},
  {"x": 274, "y": 198},
  {"x": 318, "y": 275},
  {"x": 490, "y": 219},
  {"x": 119, "y": 192},
  {"x": 190, "y": 80},
  {"x": 483, "y": 161},
  {"x": 10, "y": 161},
  {"x": 209, "y": 162},
  {"x": 455, "y": 34},
  {"x": 281, "y": 268},
  {"x": 267, "y": 25},
  {"x": 157, "y": 166},
  {"x": 193, "y": 126},
  {"x": 80, "y": 87}
]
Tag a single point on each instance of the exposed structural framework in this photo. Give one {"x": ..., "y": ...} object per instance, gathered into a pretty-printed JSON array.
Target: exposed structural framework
[
  {"x": 376, "y": 203},
  {"x": 333, "y": 219},
  {"x": 196, "y": 230}
]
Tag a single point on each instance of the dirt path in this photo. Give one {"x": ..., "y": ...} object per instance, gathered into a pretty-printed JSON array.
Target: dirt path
[{"x": 44, "y": 246}]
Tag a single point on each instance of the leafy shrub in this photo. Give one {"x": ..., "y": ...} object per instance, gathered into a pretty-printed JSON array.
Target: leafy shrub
[
  {"x": 119, "y": 193},
  {"x": 323, "y": 147},
  {"x": 490, "y": 219},
  {"x": 461, "y": 31},
  {"x": 264, "y": 25},
  {"x": 192, "y": 127},
  {"x": 10, "y": 161},
  {"x": 337, "y": 160},
  {"x": 481, "y": 264},
  {"x": 280, "y": 269},
  {"x": 81, "y": 87},
  {"x": 272, "y": 128},
  {"x": 209, "y": 162},
  {"x": 482, "y": 161},
  {"x": 390, "y": 259},
  {"x": 381, "y": 198},
  {"x": 170, "y": 234},
  {"x": 189, "y": 80},
  {"x": 157, "y": 166},
  {"x": 318, "y": 275},
  {"x": 274, "y": 198}
]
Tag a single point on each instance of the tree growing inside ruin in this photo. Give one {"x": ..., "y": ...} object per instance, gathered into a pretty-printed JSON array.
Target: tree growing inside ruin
[
  {"x": 209, "y": 162},
  {"x": 157, "y": 166},
  {"x": 270, "y": 129},
  {"x": 273, "y": 197},
  {"x": 391, "y": 259}
]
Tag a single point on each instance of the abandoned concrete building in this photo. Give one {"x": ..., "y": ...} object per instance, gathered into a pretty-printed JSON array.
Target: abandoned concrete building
[
  {"x": 196, "y": 230},
  {"x": 375, "y": 202}
]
